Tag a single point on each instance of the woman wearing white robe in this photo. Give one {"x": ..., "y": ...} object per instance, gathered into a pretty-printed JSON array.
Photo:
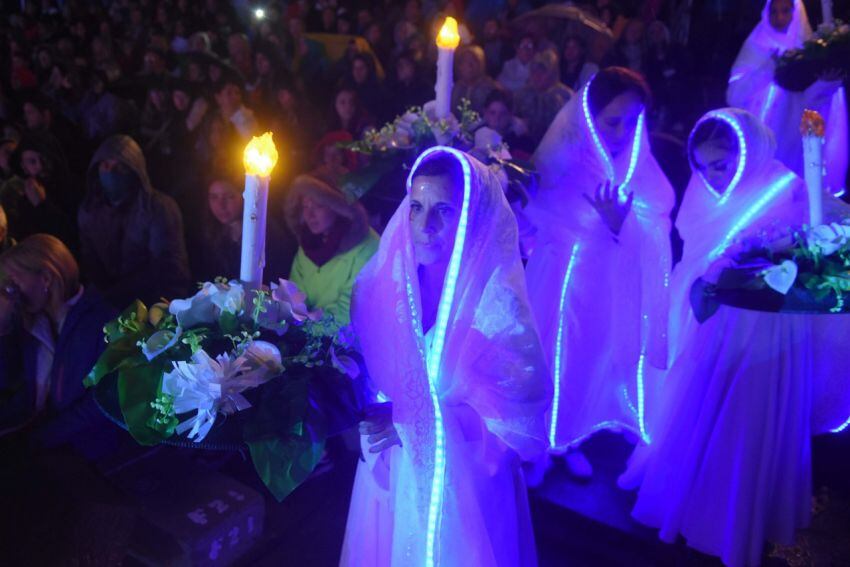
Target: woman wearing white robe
[
  {"x": 752, "y": 88},
  {"x": 730, "y": 466},
  {"x": 468, "y": 389},
  {"x": 600, "y": 297}
]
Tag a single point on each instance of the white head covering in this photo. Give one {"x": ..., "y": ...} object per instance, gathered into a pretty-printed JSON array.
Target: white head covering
[
  {"x": 484, "y": 351},
  {"x": 601, "y": 302},
  {"x": 763, "y": 193}
]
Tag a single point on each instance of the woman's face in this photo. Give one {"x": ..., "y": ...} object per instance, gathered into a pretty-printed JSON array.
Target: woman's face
[
  {"x": 525, "y": 50},
  {"x": 781, "y": 14},
  {"x": 359, "y": 71},
  {"x": 181, "y": 100},
  {"x": 345, "y": 106},
  {"x": 498, "y": 117},
  {"x": 32, "y": 163},
  {"x": 616, "y": 122},
  {"x": 316, "y": 217},
  {"x": 225, "y": 202},
  {"x": 435, "y": 208},
  {"x": 717, "y": 163},
  {"x": 262, "y": 65},
  {"x": 468, "y": 68},
  {"x": 35, "y": 287}
]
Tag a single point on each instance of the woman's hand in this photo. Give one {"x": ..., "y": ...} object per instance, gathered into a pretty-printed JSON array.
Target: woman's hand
[
  {"x": 607, "y": 204},
  {"x": 378, "y": 425}
]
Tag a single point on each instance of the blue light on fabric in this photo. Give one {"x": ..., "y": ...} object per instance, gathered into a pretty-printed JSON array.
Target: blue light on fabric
[
  {"x": 768, "y": 102},
  {"x": 553, "y": 427},
  {"x": 742, "y": 153},
  {"x": 435, "y": 353},
  {"x": 841, "y": 427},
  {"x": 770, "y": 194}
]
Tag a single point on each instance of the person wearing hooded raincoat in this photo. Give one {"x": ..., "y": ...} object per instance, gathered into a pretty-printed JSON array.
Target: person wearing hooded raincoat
[
  {"x": 730, "y": 464},
  {"x": 751, "y": 87},
  {"x": 131, "y": 235},
  {"x": 468, "y": 396},
  {"x": 600, "y": 299}
]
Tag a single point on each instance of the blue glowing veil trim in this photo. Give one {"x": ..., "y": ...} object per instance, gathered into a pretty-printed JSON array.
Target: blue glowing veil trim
[
  {"x": 436, "y": 351},
  {"x": 733, "y": 123}
]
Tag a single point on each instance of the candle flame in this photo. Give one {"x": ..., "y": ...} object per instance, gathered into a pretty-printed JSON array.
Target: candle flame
[
  {"x": 260, "y": 156},
  {"x": 448, "y": 38},
  {"x": 812, "y": 124}
]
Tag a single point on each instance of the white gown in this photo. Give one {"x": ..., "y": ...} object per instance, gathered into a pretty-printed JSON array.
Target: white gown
[{"x": 467, "y": 404}]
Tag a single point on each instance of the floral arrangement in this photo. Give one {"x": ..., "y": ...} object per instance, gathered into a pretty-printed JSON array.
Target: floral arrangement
[
  {"x": 396, "y": 145},
  {"x": 807, "y": 271},
  {"x": 828, "y": 49},
  {"x": 185, "y": 372}
]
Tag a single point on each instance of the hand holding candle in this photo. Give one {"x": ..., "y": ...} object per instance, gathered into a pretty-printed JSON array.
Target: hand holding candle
[
  {"x": 447, "y": 41},
  {"x": 259, "y": 158},
  {"x": 813, "y": 129}
]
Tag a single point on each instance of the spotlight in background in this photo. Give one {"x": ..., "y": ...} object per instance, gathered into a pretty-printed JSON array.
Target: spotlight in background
[{"x": 259, "y": 13}]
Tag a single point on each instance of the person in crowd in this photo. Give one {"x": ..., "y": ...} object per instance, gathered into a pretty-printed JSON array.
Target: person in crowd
[
  {"x": 784, "y": 25},
  {"x": 668, "y": 72},
  {"x": 730, "y": 466},
  {"x": 349, "y": 114},
  {"x": 473, "y": 83},
  {"x": 370, "y": 90},
  {"x": 630, "y": 50},
  {"x": 543, "y": 96},
  {"x": 603, "y": 257},
  {"x": 51, "y": 335},
  {"x": 43, "y": 196},
  {"x": 131, "y": 235},
  {"x": 516, "y": 70},
  {"x": 334, "y": 243},
  {"x": 217, "y": 253},
  {"x": 576, "y": 70},
  {"x": 461, "y": 399},
  {"x": 495, "y": 46},
  {"x": 332, "y": 162},
  {"x": 408, "y": 86},
  {"x": 6, "y": 241},
  {"x": 499, "y": 115},
  {"x": 231, "y": 106}
]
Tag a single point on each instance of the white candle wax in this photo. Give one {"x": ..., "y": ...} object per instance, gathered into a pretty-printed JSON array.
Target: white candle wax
[
  {"x": 443, "y": 87},
  {"x": 813, "y": 163},
  {"x": 256, "y": 198}
]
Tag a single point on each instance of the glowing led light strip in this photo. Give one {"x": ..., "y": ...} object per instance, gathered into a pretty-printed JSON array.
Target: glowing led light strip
[
  {"x": 776, "y": 188},
  {"x": 840, "y": 193},
  {"x": 841, "y": 427},
  {"x": 603, "y": 151},
  {"x": 742, "y": 151},
  {"x": 559, "y": 346},
  {"x": 641, "y": 400},
  {"x": 771, "y": 96},
  {"x": 436, "y": 351}
]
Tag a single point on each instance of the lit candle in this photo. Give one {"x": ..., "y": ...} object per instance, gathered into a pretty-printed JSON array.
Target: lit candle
[
  {"x": 447, "y": 41},
  {"x": 826, "y": 8},
  {"x": 813, "y": 129},
  {"x": 259, "y": 158}
]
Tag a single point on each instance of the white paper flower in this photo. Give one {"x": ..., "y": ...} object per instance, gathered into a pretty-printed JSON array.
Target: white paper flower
[
  {"x": 159, "y": 342},
  {"x": 209, "y": 386},
  {"x": 205, "y": 306},
  {"x": 292, "y": 302},
  {"x": 828, "y": 238}
]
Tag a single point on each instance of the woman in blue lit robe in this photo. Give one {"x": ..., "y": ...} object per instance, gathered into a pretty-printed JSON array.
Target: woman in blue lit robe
[
  {"x": 785, "y": 25},
  {"x": 729, "y": 466},
  {"x": 448, "y": 338},
  {"x": 598, "y": 276}
]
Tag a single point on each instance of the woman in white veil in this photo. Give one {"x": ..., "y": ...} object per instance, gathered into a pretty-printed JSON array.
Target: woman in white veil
[
  {"x": 785, "y": 25},
  {"x": 444, "y": 325},
  {"x": 599, "y": 274}
]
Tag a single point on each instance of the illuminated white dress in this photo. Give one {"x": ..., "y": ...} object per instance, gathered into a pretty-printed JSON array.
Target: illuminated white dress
[
  {"x": 468, "y": 404},
  {"x": 730, "y": 462},
  {"x": 601, "y": 301},
  {"x": 752, "y": 88}
]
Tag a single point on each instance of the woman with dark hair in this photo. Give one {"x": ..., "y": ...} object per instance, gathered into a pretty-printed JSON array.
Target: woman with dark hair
[
  {"x": 576, "y": 70},
  {"x": 217, "y": 252},
  {"x": 473, "y": 83},
  {"x": 334, "y": 243},
  {"x": 349, "y": 114},
  {"x": 460, "y": 385},
  {"x": 407, "y": 85},
  {"x": 603, "y": 257},
  {"x": 363, "y": 78}
]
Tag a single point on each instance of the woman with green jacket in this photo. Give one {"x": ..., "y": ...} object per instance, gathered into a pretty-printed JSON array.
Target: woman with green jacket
[{"x": 334, "y": 243}]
